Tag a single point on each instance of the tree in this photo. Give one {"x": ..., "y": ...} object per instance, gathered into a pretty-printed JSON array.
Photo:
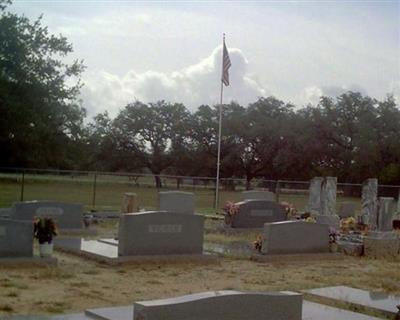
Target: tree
[
  {"x": 155, "y": 133},
  {"x": 40, "y": 114}
]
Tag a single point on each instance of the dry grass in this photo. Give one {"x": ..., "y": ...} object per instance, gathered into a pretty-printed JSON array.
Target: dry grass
[{"x": 77, "y": 284}]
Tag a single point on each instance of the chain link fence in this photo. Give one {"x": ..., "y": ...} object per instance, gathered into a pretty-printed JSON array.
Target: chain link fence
[{"x": 103, "y": 191}]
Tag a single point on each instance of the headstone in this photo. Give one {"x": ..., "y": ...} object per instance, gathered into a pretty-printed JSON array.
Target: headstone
[
  {"x": 254, "y": 213},
  {"x": 223, "y": 305},
  {"x": 314, "y": 200},
  {"x": 331, "y": 221},
  {"x": 5, "y": 212},
  {"x": 292, "y": 237},
  {"x": 68, "y": 216},
  {"x": 328, "y": 196},
  {"x": 129, "y": 203},
  {"x": 160, "y": 233},
  {"x": 347, "y": 209},
  {"x": 386, "y": 213},
  {"x": 16, "y": 238},
  {"x": 176, "y": 201},
  {"x": 369, "y": 203},
  {"x": 258, "y": 195}
]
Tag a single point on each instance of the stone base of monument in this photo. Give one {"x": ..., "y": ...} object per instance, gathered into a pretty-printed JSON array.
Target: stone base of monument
[
  {"x": 382, "y": 244},
  {"x": 350, "y": 248},
  {"x": 106, "y": 251},
  {"x": 300, "y": 257},
  {"x": 48, "y": 261},
  {"x": 364, "y": 301}
]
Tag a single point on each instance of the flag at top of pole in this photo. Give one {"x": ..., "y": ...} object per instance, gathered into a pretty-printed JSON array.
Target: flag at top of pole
[{"x": 226, "y": 64}]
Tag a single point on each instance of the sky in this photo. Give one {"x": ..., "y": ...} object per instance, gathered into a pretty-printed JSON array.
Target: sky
[{"x": 296, "y": 51}]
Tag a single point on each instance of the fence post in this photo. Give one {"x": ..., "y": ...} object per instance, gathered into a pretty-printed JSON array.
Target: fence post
[
  {"x": 22, "y": 185},
  {"x": 94, "y": 191},
  {"x": 277, "y": 190}
]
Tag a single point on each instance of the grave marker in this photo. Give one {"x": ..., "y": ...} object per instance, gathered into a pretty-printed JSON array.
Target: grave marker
[
  {"x": 254, "y": 213},
  {"x": 16, "y": 239},
  {"x": 160, "y": 233},
  {"x": 292, "y": 237},
  {"x": 176, "y": 201}
]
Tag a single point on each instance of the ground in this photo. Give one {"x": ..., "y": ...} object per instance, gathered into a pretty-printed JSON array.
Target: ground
[{"x": 77, "y": 284}]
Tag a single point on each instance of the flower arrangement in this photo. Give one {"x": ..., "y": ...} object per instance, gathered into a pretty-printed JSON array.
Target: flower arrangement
[
  {"x": 257, "y": 244},
  {"x": 333, "y": 235},
  {"x": 290, "y": 209},
  {"x": 230, "y": 209},
  {"x": 348, "y": 224},
  {"x": 44, "y": 229}
]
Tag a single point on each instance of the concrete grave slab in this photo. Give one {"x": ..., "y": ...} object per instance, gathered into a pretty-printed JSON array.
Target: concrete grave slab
[
  {"x": 371, "y": 300},
  {"x": 176, "y": 201},
  {"x": 294, "y": 237}
]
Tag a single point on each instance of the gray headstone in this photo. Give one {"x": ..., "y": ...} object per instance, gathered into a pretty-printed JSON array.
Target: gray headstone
[
  {"x": 66, "y": 215},
  {"x": 387, "y": 208},
  {"x": 176, "y": 201},
  {"x": 314, "y": 200},
  {"x": 331, "y": 221},
  {"x": 16, "y": 238},
  {"x": 254, "y": 213},
  {"x": 369, "y": 203},
  {"x": 5, "y": 212},
  {"x": 328, "y": 196},
  {"x": 159, "y": 233},
  {"x": 291, "y": 237},
  {"x": 347, "y": 209},
  {"x": 223, "y": 305},
  {"x": 258, "y": 195}
]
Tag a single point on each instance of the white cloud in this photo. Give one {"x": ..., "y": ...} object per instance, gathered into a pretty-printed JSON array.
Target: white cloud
[{"x": 194, "y": 85}]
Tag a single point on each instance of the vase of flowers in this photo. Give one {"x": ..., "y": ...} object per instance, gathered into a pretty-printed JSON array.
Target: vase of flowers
[
  {"x": 44, "y": 230},
  {"x": 333, "y": 237},
  {"x": 230, "y": 209}
]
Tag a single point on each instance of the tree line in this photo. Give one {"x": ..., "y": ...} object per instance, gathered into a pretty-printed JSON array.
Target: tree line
[{"x": 42, "y": 125}]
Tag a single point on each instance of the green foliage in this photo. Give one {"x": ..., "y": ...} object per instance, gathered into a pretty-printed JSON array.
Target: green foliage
[{"x": 40, "y": 115}]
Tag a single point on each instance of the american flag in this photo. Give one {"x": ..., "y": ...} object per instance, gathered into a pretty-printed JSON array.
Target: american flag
[{"x": 226, "y": 64}]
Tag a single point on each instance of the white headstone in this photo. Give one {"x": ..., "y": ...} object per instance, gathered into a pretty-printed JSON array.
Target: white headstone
[
  {"x": 369, "y": 203},
  {"x": 328, "y": 196},
  {"x": 314, "y": 200}
]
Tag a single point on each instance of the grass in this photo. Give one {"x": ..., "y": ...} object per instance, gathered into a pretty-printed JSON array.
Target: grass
[{"x": 110, "y": 190}]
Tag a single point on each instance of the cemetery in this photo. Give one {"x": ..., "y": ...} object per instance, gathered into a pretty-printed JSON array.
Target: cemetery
[
  {"x": 131, "y": 188},
  {"x": 152, "y": 248}
]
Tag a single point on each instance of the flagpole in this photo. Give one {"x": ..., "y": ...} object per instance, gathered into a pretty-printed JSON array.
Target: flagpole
[{"x": 219, "y": 134}]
